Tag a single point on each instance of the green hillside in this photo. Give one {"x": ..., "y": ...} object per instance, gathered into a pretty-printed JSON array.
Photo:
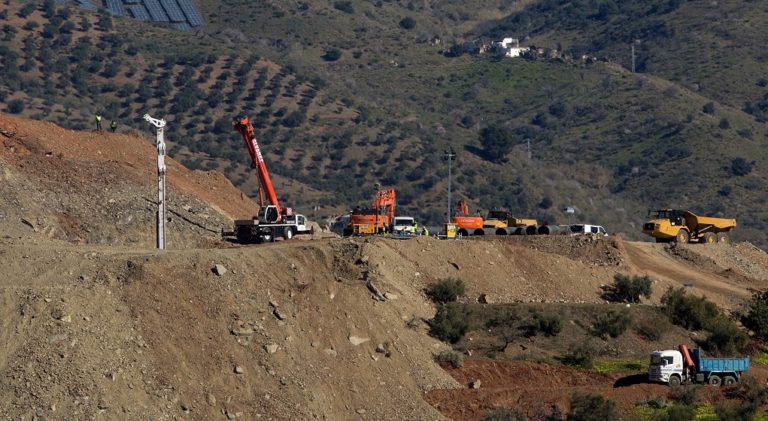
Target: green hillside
[{"x": 350, "y": 93}]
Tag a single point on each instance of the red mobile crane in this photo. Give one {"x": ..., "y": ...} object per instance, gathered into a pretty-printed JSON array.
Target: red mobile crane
[{"x": 272, "y": 220}]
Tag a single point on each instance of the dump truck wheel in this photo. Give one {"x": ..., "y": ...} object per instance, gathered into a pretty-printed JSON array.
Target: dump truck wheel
[
  {"x": 682, "y": 236},
  {"x": 674, "y": 381},
  {"x": 723, "y": 238},
  {"x": 715, "y": 381},
  {"x": 729, "y": 380},
  {"x": 709, "y": 238}
]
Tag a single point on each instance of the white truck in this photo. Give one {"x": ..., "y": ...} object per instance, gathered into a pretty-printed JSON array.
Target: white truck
[
  {"x": 579, "y": 229},
  {"x": 404, "y": 225},
  {"x": 255, "y": 231},
  {"x": 680, "y": 365}
]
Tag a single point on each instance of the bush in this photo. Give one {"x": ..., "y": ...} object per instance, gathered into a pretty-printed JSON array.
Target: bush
[
  {"x": 407, "y": 23},
  {"x": 451, "y": 358},
  {"x": 629, "y": 290},
  {"x": 687, "y": 395},
  {"x": 688, "y": 311},
  {"x": 741, "y": 167},
  {"x": 649, "y": 331},
  {"x": 612, "y": 323},
  {"x": 581, "y": 355},
  {"x": 16, "y": 106},
  {"x": 497, "y": 142},
  {"x": 332, "y": 54},
  {"x": 450, "y": 323},
  {"x": 725, "y": 338},
  {"x": 344, "y": 6},
  {"x": 678, "y": 412},
  {"x": 586, "y": 406},
  {"x": 756, "y": 317},
  {"x": 504, "y": 414},
  {"x": 550, "y": 324},
  {"x": 709, "y": 108},
  {"x": 445, "y": 290},
  {"x": 724, "y": 124}
]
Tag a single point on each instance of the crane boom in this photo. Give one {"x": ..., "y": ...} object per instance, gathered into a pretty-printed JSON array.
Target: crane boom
[{"x": 243, "y": 125}]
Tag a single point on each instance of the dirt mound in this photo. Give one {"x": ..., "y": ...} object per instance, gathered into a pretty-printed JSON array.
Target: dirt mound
[
  {"x": 590, "y": 249},
  {"x": 96, "y": 187}
]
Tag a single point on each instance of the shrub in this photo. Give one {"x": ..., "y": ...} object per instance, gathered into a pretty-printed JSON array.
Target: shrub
[
  {"x": 756, "y": 317},
  {"x": 451, "y": 358},
  {"x": 678, "y": 412},
  {"x": 724, "y": 124},
  {"x": 504, "y": 414},
  {"x": 709, "y": 108},
  {"x": 580, "y": 355},
  {"x": 688, "y": 311},
  {"x": 450, "y": 323},
  {"x": 549, "y": 323},
  {"x": 725, "y": 338},
  {"x": 741, "y": 167},
  {"x": 16, "y": 106},
  {"x": 497, "y": 142},
  {"x": 629, "y": 290},
  {"x": 649, "y": 331},
  {"x": 445, "y": 290},
  {"x": 344, "y": 6},
  {"x": 612, "y": 323},
  {"x": 407, "y": 23},
  {"x": 332, "y": 54},
  {"x": 687, "y": 395},
  {"x": 586, "y": 406}
]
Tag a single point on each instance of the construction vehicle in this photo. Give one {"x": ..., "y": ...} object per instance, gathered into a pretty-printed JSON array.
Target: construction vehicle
[
  {"x": 376, "y": 219},
  {"x": 467, "y": 224},
  {"x": 686, "y": 227},
  {"x": 502, "y": 222},
  {"x": 273, "y": 220},
  {"x": 681, "y": 366},
  {"x": 405, "y": 225}
]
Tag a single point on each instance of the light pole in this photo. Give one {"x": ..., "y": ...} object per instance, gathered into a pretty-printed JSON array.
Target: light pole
[
  {"x": 449, "y": 156},
  {"x": 160, "y": 124}
]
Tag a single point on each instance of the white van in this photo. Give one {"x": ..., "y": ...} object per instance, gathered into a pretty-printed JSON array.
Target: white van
[
  {"x": 404, "y": 225},
  {"x": 579, "y": 229}
]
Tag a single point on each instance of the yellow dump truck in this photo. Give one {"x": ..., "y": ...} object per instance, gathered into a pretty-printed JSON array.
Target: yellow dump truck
[
  {"x": 501, "y": 222},
  {"x": 680, "y": 226}
]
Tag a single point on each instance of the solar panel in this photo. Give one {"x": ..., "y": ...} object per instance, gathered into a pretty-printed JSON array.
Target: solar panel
[
  {"x": 114, "y": 7},
  {"x": 87, "y": 5},
  {"x": 182, "y": 26},
  {"x": 189, "y": 9},
  {"x": 139, "y": 12},
  {"x": 156, "y": 11},
  {"x": 173, "y": 10},
  {"x": 130, "y": 1}
]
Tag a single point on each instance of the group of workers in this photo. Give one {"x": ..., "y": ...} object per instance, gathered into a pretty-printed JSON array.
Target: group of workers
[
  {"x": 112, "y": 125},
  {"x": 414, "y": 230}
]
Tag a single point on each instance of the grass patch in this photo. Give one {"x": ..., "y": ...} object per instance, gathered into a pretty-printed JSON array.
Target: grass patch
[
  {"x": 761, "y": 357},
  {"x": 619, "y": 366},
  {"x": 705, "y": 412}
]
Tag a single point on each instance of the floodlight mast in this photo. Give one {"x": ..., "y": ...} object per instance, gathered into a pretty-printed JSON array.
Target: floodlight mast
[{"x": 160, "y": 124}]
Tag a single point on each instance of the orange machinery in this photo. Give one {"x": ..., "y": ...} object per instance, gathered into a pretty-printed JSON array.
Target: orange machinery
[
  {"x": 376, "y": 219},
  {"x": 467, "y": 224}
]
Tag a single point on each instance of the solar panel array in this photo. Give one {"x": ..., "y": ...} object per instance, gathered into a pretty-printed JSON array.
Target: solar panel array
[
  {"x": 138, "y": 12},
  {"x": 115, "y": 7},
  {"x": 182, "y": 14}
]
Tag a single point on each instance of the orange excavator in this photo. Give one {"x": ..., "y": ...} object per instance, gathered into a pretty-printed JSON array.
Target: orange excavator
[
  {"x": 273, "y": 220},
  {"x": 467, "y": 224},
  {"x": 374, "y": 220}
]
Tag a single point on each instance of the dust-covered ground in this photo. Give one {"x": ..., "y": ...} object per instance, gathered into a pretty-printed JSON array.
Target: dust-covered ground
[{"x": 97, "y": 323}]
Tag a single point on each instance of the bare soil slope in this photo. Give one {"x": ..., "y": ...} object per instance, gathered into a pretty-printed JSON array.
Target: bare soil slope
[{"x": 95, "y": 322}]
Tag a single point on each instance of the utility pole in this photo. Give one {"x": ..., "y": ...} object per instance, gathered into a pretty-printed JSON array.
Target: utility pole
[
  {"x": 160, "y": 124},
  {"x": 528, "y": 147},
  {"x": 449, "y": 156}
]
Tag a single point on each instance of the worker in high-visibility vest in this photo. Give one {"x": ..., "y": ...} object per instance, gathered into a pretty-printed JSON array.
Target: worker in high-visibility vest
[
  {"x": 98, "y": 121},
  {"x": 113, "y": 126},
  {"x": 424, "y": 230}
]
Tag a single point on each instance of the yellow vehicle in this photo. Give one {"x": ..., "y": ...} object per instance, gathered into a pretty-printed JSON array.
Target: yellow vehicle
[
  {"x": 686, "y": 227},
  {"x": 502, "y": 222}
]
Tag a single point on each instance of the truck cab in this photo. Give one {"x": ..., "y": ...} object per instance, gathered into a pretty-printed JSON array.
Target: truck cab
[
  {"x": 666, "y": 367},
  {"x": 404, "y": 225}
]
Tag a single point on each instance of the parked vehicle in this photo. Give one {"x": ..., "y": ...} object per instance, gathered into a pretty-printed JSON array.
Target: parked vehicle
[
  {"x": 686, "y": 227},
  {"x": 578, "y": 229},
  {"x": 404, "y": 225},
  {"x": 681, "y": 366},
  {"x": 502, "y": 222}
]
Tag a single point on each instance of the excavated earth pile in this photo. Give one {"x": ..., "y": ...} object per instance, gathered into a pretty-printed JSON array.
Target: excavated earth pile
[{"x": 96, "y": 323}]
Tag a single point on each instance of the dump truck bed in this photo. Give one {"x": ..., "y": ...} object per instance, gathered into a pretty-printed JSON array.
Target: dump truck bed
[
  {"x": 719, "y": 224},
  {"x": 719, "y": 365}
]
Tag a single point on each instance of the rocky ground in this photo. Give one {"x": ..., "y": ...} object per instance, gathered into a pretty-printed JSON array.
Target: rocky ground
[{"x": 97, "y": 324}]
